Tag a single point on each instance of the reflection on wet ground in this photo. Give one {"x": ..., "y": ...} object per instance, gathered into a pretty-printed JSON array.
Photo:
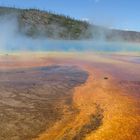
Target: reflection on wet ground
[{"x": 126, "y": 58}]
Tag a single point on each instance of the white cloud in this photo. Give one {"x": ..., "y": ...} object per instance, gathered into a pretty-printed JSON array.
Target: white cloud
[{"x": 85, "y": 19}]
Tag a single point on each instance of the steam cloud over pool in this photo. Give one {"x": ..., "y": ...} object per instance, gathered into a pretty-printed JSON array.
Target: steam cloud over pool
[{"x": 12, "y": 41}]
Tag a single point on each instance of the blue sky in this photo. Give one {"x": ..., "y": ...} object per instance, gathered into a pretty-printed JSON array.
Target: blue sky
[{"x": 121, "y": 14}]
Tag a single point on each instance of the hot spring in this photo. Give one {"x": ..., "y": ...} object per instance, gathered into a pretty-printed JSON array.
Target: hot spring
[{"x": 35, "y": 45}]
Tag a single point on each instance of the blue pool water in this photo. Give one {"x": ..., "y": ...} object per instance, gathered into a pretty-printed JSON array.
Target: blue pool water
[{"x": 51, "y": 45}]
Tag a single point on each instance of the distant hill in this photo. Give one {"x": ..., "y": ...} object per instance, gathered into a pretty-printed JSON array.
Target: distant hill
[{"x": 36, "y": 23}]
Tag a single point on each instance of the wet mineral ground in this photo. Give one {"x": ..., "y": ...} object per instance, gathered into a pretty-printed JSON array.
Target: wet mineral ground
[
  {"x": 69, "y": 96},
  {"x": 33, "y": 99}
]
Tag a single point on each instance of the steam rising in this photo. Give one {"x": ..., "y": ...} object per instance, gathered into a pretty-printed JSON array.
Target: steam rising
[{"x": 11, "y": 40}]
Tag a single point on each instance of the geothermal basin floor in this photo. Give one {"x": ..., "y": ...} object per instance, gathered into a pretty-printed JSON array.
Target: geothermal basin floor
[{"x": 69, "y": 96}]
